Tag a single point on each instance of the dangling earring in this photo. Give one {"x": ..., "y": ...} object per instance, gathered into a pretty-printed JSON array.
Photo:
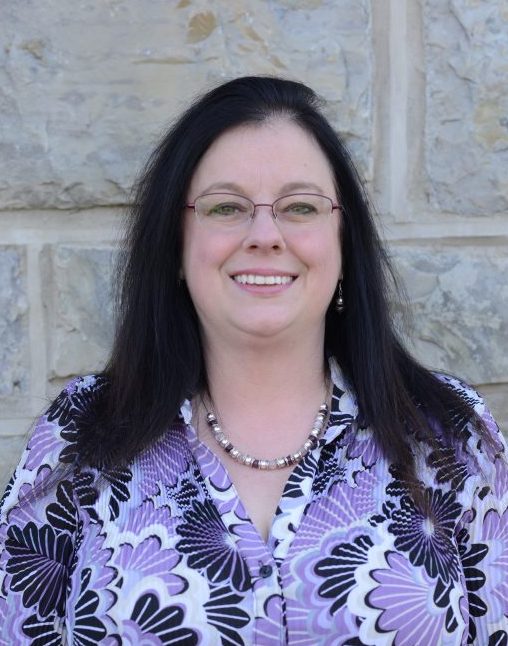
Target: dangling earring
[{"x": 339, "y": 301}]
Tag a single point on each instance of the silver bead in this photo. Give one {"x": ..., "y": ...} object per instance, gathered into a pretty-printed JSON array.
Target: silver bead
[
  {"x": 211, "y": 418},
  {"x": 224, "y": 442},
  {"x": 324, "y": 408},
  {"x": 297, "y": 456},
  {"x": 307, "y": 445},
  {"x": 235, "y": 453},
  {"x": 281, "y": 463},
  {"x": 263, "y": 464},
  {"x": 216, "y": 428},
  {"x": 316, "y": 432}
]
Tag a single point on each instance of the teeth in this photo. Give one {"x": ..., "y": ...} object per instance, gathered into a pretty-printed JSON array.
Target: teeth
[{"x": 256, "y": 279}]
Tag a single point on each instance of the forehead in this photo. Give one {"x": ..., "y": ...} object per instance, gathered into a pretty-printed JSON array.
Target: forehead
[{"x": 263, "y": 157}]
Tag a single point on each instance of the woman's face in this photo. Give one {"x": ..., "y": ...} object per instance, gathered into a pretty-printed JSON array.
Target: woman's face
[{"x": 220, "y": 263}]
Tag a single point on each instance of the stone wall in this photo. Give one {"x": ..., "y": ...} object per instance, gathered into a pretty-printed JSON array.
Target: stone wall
[{"x": 418, "y": 90}]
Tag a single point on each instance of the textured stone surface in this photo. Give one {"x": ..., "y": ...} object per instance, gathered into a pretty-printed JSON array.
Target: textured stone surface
[
  {"x": 80, "y": 308},
  {"x": 79, "y": 118},
  {"x": 14, "y": 372},
  {"x": 459, "y": 297},
  {"x": 466, "y": 131}
]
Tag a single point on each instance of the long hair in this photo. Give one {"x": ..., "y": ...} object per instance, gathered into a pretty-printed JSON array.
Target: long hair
[{"x": 157, "y": 358}]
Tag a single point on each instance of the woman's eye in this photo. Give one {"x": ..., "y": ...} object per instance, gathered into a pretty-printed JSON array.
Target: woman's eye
[
  {"x": 230, "y": 208},
  {"x": 301, "y": 208}
]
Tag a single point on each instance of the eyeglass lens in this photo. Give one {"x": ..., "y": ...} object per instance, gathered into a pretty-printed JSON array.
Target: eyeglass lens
[{"x": 234, "y": 209}]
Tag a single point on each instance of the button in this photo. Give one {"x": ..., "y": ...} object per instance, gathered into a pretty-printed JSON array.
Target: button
[{"x": 265, "y": 571}]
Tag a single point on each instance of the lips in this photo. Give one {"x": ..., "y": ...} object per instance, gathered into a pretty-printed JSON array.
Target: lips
[{"x": 263, "y": 279}]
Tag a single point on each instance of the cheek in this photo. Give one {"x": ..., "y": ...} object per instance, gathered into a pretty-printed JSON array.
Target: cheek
[
  {"x": 202, "y": 253},
  {"x": 203, "y": 261},
  {"x": 330, "y": 267},
  {"x": 327, "y": 255},
  {"x": 195, "y": 248}
]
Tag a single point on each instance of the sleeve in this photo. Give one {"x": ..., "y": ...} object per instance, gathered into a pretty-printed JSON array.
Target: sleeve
[
  {"x": 484, "y": 544},
  {"x": 38, "y": 522}
]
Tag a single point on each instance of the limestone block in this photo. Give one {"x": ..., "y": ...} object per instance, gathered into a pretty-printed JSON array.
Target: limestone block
[
  {"x": 79, "y": 308},
  {"x": 466, "y": 129},
  {"x": 14, "y": 354},
  {"x": 11, "y": 447},
  {"x": 84, "y": 94},
  {"x": 323, "y": 43},
  {"x": 459, "y": 298}
]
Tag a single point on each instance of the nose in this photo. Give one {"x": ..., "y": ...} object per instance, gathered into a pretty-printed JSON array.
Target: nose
[{"x": 263, "y": 230}]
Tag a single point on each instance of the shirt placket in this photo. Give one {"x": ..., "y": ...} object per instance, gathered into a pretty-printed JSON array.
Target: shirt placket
[{"x": 267, "y": 602}]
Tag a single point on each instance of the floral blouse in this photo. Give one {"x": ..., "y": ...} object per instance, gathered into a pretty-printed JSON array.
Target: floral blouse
[{"x": 163, "y": 552}]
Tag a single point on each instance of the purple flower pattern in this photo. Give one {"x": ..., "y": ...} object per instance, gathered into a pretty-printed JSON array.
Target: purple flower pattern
[
  {"x": 163, "y": 552},
  {"x": 149, "y": 558},
  {"x": 428, "y": 537},
  {"x": 404, "y": 596},
  {"x": 38, "y": 558},
  {"x": 208, "y": 546}
]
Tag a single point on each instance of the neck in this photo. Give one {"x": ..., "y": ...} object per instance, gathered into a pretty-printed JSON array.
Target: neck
[
  {"x": 256, "y": 377},
  {"x": 265, "y": 396}
]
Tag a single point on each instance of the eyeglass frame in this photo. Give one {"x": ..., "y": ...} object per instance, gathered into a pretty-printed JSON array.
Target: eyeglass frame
[{"x": 254, "y": 205}]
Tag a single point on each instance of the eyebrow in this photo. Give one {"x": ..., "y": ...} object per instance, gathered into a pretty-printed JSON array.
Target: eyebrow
[
  {"x": 228, "y": 186},
  {"x": 299, "y": 186},
  {"x": 284, "y": 190}
]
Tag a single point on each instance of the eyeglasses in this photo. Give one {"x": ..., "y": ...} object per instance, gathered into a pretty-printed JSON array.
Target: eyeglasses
[{"x": 229, "y": 209}]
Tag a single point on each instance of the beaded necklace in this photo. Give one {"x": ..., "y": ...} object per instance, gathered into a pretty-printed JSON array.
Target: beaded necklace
[{"x": 276, "y": 463}]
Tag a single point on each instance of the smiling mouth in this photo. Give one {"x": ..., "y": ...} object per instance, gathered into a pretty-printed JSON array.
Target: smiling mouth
[{"x": 256, "y": 279}]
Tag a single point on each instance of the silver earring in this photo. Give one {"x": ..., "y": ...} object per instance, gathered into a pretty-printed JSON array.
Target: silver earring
[{"x": 339, "y": 301}]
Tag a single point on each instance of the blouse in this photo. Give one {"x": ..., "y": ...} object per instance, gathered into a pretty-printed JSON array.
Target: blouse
[{"x": 163, "y": 552}]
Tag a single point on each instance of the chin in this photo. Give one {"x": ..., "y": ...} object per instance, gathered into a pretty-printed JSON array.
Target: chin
[{"x": 264, "y": 328}]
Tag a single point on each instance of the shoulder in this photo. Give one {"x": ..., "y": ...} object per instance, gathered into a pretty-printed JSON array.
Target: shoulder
[
  {"x": 481, "y": 418},
  {"x": 72, "y": 411},
  {"x": 52, "y": 440},
  {"x": 463, "y": 390},
  {"x": 78, "y": 397},
  {"x": 479, "y": 443}
]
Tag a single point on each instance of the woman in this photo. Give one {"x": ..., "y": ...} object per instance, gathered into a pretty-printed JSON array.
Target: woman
[{"x": 261, "y": 462}]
